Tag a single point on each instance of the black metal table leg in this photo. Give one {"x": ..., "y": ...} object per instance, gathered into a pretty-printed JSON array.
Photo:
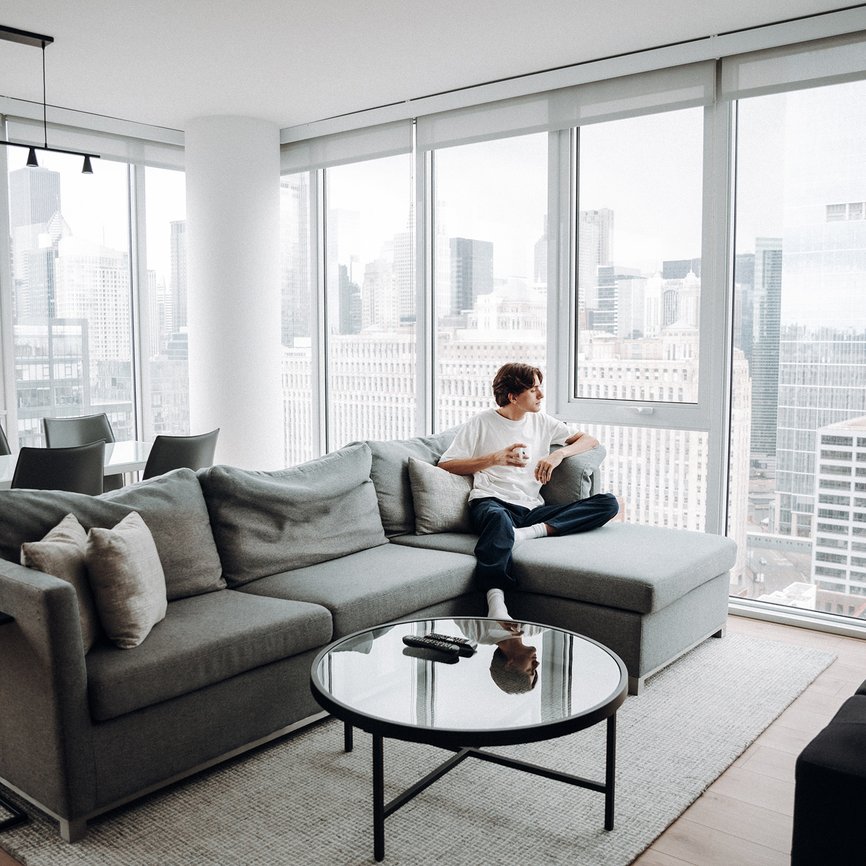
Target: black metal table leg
[
  {"x": 378, "y": 799},
  {"x": 16, "y": 815},
  {"x": 348, "y": 737},
  {"x": 610, "y": 772}
]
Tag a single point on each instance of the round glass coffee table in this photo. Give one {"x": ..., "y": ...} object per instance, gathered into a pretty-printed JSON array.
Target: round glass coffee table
[{"x": 523, "y": 683}]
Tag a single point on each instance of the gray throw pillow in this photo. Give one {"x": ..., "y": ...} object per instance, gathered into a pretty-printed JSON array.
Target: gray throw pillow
[
  {"x": 390, "y": 474},
  {"x": 127, "y": 580},
  {"x": 268, "y": 522},
  {"x": 572, "y": 479},
  {"x": 62, "y": 553},
  {"x": 440, "y": 498}
]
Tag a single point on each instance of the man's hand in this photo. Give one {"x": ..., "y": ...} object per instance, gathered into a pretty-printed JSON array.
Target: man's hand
[
  {"x": 544, "y": 468},
  {"x": 510, "y": 456}
]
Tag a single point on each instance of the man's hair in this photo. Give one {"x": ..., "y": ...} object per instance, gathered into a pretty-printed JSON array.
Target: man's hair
[
  {"x": 514, "y": 378},
  {"x": 511, "y": 681}
]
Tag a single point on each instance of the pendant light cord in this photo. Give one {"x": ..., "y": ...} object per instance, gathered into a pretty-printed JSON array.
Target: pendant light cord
[{"x": 44, "y": 109}]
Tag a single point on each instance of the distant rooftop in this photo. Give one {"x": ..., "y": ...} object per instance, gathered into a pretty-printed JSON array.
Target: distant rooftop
[{"x": 850, "y": 424}]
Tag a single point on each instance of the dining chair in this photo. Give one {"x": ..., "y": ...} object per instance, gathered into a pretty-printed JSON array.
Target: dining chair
[
  {"x": 4, "y": 443},
  {"x": 178, "y": 452},
  {"x": 78, "y": 468},
  {"x": 81, "y": 430}
]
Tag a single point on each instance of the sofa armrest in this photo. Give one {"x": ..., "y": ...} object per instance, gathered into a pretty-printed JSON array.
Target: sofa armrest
[
  {"x": 45, "y": 741},
  {"x": 575, "y": 478}
]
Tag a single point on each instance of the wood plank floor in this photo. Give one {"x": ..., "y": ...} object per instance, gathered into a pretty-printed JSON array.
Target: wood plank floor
[{"x": 745, "y": 815}]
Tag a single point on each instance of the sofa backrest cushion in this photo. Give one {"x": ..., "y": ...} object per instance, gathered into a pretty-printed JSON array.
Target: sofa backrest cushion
[
  {"x": 269, "y": 522},
  {"x": 575, "y": 478},
  {"x": 171, "y": 505},
  {"x": 390, "y": 474}
]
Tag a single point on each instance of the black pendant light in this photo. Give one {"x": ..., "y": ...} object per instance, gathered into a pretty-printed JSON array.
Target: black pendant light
[{"x": 38, "y": 40}]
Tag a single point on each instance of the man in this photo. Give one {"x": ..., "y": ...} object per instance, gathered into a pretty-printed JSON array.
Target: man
[{"x": 507, "y": 451}]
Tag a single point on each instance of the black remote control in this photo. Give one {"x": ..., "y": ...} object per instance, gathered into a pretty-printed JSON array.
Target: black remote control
[
  {"x": 440, "y": 646},
  {"x": 464, "y": 646},
  {"x": 431, "y": 655}
]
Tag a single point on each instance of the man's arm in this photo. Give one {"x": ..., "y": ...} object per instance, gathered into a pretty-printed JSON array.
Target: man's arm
[
  {"x": 577, "y": 443},
  {"x": 470, "y": 465}
]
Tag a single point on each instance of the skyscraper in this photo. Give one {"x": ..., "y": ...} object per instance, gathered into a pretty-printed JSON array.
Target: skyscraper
[
  {"x": 178, "y": 275},
  {"x": 594, "y": 248},
  {"x": 766, "y": 303},
  {"x": 471, "y": 272}
]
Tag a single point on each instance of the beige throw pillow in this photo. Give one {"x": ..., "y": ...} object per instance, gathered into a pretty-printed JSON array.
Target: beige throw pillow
[
  {"x": 440, "y": 498},
  {"x": 127, "y": 580},
  {"x": 62, "y": 553}
]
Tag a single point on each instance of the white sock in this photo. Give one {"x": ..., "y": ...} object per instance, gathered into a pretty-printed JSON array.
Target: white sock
[
  {"x": 496, "y": 604},
  {"x": 524, "y": 533}
]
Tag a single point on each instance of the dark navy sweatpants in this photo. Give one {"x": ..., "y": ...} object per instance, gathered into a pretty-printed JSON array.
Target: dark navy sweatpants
[{"x": 495, "y": 522}]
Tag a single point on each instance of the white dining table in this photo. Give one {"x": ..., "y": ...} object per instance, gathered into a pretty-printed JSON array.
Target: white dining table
[{"x": 120, "y": 457}]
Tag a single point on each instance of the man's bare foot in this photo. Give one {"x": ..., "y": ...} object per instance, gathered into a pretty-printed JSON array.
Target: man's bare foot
[{"x": 620, "y": 515}]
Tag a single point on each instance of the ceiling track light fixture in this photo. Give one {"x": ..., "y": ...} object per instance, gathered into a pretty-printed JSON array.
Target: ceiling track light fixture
[{"x": 38, "y": 40}]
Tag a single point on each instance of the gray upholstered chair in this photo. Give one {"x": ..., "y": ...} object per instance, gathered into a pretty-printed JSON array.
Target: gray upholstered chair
[
  {"x": 180, "y": 452},
  {"x": 81, "y": 430},
  {"x": 4, "y": 443},
  {"x": 79, "y": 469}
]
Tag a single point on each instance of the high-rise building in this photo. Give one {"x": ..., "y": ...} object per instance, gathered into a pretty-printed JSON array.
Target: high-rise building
[
  {"x": 295, "y": 286},
  {"x": 766, "y": 309},
  {"x": 178, "y": 275},
  {"x": 839, "y": 551},
  {"x": 34, "y": 196},
  {"x": 594, "y": 248},
  {"x": 471, "y": 272}
]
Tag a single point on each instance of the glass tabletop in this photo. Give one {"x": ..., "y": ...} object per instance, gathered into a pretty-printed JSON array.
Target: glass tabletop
[{"x": 523, "y": 682}]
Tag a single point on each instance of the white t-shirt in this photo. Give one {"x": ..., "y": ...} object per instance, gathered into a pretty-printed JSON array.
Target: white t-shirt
[{"x": 488, "y": 432}]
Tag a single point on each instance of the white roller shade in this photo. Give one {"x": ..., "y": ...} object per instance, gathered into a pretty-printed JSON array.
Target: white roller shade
[
  {"x": 123, "y": 148},
  {"x": 387, "y": 139},
  {"x": 627, "y": 96},
  {"x": 809, "y": 64}
]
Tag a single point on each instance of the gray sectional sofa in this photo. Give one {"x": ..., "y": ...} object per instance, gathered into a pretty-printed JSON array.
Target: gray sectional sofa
[{"x": 264, "y": 568}]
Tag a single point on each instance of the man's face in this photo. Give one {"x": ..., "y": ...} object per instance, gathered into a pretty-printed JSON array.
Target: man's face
[{"x": 530, "y": 399}]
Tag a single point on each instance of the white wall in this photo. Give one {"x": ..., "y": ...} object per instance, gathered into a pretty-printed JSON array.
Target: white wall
[{"x": 233, "y": 214}]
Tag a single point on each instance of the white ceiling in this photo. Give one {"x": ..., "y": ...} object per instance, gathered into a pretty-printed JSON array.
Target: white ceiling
[{"x": 163, "y": 62}]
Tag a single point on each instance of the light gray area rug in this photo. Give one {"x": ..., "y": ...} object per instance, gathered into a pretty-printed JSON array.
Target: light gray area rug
[{"x": 305, "y": 802}]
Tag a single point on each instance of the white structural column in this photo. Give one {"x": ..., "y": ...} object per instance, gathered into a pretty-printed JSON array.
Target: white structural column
[{"x": 233, "y": 214}]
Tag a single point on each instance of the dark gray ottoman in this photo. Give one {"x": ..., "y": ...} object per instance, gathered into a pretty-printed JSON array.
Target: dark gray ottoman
[{"x": 831, "y": 791}]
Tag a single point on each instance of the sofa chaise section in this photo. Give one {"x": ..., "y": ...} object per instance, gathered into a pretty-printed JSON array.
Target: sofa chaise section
[{"x": 649, "y": 593}]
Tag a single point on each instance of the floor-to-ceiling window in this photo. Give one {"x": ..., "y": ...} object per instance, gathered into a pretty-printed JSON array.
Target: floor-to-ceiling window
[
  {"x": 369, "y": 242},
  {"x": 70, "y": 293},
  {"x": 800, "y": 331},
  {"x": 489, "y": 268},
  {"x": 637, "y": 241},
  {"x": 165, "y": 347},
  {"x": 298, "y": 311}
]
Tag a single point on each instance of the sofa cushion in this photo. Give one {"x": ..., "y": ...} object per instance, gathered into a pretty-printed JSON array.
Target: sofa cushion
[
  {"x": 202, "y": 640},
  {"x": 269, "y": 522},
  {"x": 454, "y": 542},
  {"x": 573, "y": 478},
  {"x": 623, "y": 565},
  {"x": 440, "y": 499},
  {"x": 390, "y": 474},
  {"x": 127, "y": 580},
  {"x": 171, "y": 505},
  {"x": 62, "y": 553},
  {"x": 374, "y": 586}
]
